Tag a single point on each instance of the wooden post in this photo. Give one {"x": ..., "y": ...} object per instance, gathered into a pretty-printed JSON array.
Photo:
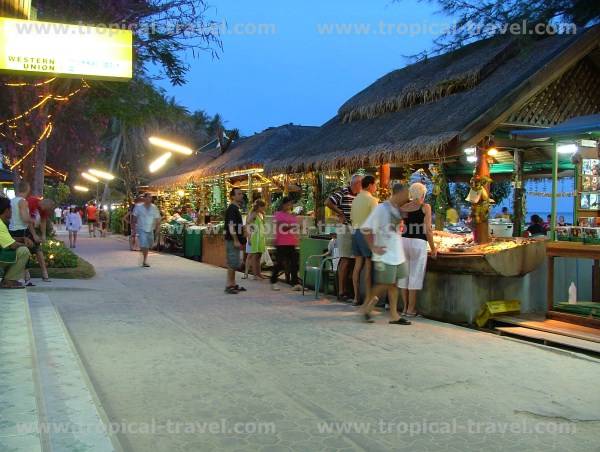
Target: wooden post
[
  {"x": 482, "y": 230},
  {"x": 384, "y": 181},
  {"x": 519, "y": 191},
  {"x": 554, "y": 191}
]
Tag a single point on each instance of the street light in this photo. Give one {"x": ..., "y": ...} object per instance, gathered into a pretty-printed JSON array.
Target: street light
[
  {"x": 89, "y": 177},
  {"x": 160, "y": 162},
  {"x": 170, "y": 146},
  {"x": 101, "y": 174},
  {"x": 80, "y": 188}
]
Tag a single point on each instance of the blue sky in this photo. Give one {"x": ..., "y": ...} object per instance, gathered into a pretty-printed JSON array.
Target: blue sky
[{"x": 298, "y": 74}]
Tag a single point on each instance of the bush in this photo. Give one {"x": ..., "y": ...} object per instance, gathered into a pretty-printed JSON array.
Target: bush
[
  {"x": 57, "y": 255},
  {"x": 116, "y": 220}
]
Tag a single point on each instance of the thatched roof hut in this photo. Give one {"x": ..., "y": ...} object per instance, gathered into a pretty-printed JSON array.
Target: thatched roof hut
[
  {"x": 245, "y": 154},
  {"x": 429, "y": 110}
]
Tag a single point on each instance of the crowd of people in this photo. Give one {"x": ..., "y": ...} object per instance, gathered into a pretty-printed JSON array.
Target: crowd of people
[{"x": 388, "y": 242}]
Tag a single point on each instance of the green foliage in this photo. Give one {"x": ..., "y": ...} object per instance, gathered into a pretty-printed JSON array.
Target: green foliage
[
  {"x": 116, "y": 220},
  {"x": 59, "y": 193},
  {"x": 56, "y": 255},
  {"x": 499, "y": 192}
]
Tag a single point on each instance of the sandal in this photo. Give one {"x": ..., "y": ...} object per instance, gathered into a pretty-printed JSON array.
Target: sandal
[
  {"x": 400, "y": 321},
  {"x": 46, "y": 280},
  {"x": 231, "y": 290},
  {"x": 368, "y": 318},
  {"x": 240, "y": 288}
]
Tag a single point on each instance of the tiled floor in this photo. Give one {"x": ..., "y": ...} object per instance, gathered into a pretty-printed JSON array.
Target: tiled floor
[{"x": 18, "y": 408}]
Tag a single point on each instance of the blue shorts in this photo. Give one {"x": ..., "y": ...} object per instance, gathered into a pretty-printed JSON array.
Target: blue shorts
[
  {"x": 360, "y": 247},
  {"x": 233, "y": 255},
  {"x": 146, "y": 239}
]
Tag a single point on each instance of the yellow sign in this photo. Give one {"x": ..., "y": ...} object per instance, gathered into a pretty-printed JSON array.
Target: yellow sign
[{"x": 65, "y": 50}]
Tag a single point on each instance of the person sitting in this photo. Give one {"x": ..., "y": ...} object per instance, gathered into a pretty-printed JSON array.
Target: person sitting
[
  {"x": 536, "y": 228},
  {"x": 14, "y": 253}
]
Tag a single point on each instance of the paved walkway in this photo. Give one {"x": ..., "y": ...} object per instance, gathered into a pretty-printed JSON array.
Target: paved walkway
[{"x": 187, "y": 368}]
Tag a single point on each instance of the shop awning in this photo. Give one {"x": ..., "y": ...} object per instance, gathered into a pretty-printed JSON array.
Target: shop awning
[{"x": 581, "y": 126}]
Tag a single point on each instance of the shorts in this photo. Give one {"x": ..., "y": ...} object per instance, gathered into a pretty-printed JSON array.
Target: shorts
[
  {"x": 344, "y": 240},
  {"x": 92, "y": 221},
  {"x": 145, "y": 239},
  {"x": 233, "y": 255},
  {"x": 388, "y": 275},
  {"x": 360, "y": 247},
  {"x": 248, "y": 247},
  {"x": 415, "y": 251},
  {"x": 25, "y": 233}
]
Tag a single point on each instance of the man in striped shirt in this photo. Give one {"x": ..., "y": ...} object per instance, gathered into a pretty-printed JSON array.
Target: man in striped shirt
[{"x": 341, "y": 203}]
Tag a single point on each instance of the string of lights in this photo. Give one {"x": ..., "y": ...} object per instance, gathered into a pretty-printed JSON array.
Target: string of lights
[
  {"x": 45, "y": 134},
  {"x": 23, "y": 84},
  {"x": 10, "y": 122}
]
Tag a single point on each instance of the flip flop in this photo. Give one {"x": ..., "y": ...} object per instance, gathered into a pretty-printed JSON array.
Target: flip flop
[
  {"x": 240, "y": 288},
  {"x": 400, "y": 321}
]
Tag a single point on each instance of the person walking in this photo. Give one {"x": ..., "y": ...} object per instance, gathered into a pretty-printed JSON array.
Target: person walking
[
  {"x": 91, "y": 211},
  {"x": 14, "y": 253},
  {"x": 418, "y": 232},
  {"x": 286, "y": 241},
  {"x": 362, "y": 206},
  {"x": 25, "y": 210},
  {"x": 255, "y": 231},
  {"x": 73, "y": 226},
  {"x": 103, "y": 222},
  {"x": 383, "y": 234},
  {"x": 340, "y": 202},
  {"x": 235, "y": 239},
  {"x": 57, "y": 216},
  {"x": 145, "y": 225}
]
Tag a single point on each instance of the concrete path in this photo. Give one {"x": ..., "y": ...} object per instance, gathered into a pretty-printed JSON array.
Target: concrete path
[{"x": 179, "y": 366}]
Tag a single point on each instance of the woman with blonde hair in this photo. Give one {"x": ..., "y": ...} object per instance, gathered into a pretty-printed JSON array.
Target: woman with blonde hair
[
  {"x": 255, "y": 231},
  {"x": 418, "y": 232}
]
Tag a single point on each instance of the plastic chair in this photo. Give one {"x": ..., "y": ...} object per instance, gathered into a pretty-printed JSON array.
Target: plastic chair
[{"x": 317, "y": 270}]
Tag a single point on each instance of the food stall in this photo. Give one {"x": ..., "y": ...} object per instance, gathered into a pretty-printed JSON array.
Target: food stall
[{"x": 573, "y": 245}]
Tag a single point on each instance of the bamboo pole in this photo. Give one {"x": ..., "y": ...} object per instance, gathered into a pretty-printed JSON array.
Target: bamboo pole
[{"x": 554, "y": 190}]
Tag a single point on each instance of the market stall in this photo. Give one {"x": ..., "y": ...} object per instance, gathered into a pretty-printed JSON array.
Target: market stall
[{"x": 456, "y": 111}]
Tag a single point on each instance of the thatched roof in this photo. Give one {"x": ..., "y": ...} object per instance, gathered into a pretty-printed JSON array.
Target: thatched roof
[
  {"x": 244, "y": 154},
  {"x": 423, "y": 112}
]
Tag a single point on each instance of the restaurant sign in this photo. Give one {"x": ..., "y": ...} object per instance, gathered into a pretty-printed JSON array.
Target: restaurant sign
[{"x": 65, "y": 50}]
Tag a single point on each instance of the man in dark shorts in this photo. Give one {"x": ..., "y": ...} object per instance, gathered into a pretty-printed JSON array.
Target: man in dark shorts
[{"x": 234, "y": 239}]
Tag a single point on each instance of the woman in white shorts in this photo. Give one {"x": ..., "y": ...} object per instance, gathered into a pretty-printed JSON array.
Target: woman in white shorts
[{"x": 417, "y": 233}]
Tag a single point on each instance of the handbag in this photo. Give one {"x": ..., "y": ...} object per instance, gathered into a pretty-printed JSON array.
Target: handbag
[{"x": 266, "y": 259}]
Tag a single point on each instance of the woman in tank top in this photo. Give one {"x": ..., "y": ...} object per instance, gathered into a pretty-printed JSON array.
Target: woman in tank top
[{"x": 418, "y": 232}]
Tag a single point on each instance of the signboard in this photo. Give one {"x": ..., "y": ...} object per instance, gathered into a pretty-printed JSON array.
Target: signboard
[
  {"x": 16, "y": 8},
  {"x": 65, "y": 50}
]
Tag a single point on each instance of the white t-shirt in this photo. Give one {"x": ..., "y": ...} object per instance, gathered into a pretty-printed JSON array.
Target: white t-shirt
[
  {"x": 57, "y": 212},
  {"x": 387, "y": 233},
  {"x": 145, "y": 217}
]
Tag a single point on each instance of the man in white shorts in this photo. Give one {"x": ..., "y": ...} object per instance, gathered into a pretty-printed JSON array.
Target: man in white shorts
[{"x": 383, "y": 234}]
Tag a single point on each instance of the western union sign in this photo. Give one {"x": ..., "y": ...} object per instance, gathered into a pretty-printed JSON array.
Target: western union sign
[{"x": 65, "y": 50}]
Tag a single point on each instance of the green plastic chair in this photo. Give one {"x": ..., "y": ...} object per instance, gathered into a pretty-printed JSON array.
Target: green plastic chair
[{"x": 315, "y": 265}]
